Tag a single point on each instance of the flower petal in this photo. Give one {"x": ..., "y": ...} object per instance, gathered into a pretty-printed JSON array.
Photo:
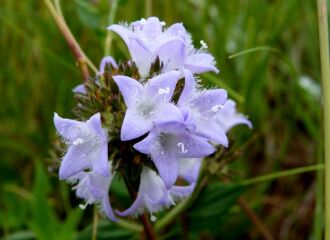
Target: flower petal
[
  {"x": 177, "y": 30},
  {"x": 189, "y": 169},
  {"x": 191, "y": 146},
  {"x": 94, "y": 188},
  {"x": 141, "y": 56},
  {"x": 145, "y": 146},
  {"x": 228, "y": 117},
  {"x": 122, "y": 31},
  {"x": 107, "y": 60},
  {"x": 101, "y": 164},
  {"x": 167, "y": 166},
  {"x": 211, "y": 130},
  {"x": 175, "y": 138},
  {"x": 74, "y": 161},
  {"x": 69, "y": 129},
  {"x": 180, "y": 192},
  {"x": 80, "y": 89},
  {"x": 107, "y": 209},
  {"x": 129, "y": 88},
  {"x": 152, "y": 27},
  {"x": 166, "y": 162},
  {"x": 134, "y": 125},
  {"x": 152, "y": 194},
  {"x": 167, "y": 113},
  {"x": 200, "y": 62},
  {"x": 163, "y": 85},
  {"x": 210, "y": 100},
  {"x": 189, "y": 88},
  {"x": 172, "y": 54},
  {"x": 136, "y": 207},
  {"x": 94, "y": 122}
]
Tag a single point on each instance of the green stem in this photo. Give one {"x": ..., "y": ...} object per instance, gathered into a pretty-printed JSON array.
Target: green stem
[
  {"x": 232, "y": 93},
  {"x": 79, "y": 55},
  {"x": 181, "y": 207},
  {"x": 318, "y": 212},
  {"x": 255, "y": 49},
  {"x": 111, "y": 19},
  {"x": 325, "y": 73},
  {"x": 286, "y": 173},
  {"x": 171, "y": 215},
  {"x": 95, "y": 222},
  {"x": 134, "y": 227}
]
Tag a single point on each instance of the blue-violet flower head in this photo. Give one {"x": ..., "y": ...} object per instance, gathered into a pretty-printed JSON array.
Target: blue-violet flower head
[
  {"x": 147, "y": 39},
  {"x": 201, "y": 109},
  {"x": 167, "y": 143},
  {"x": 147, "y": 104},
  {"x": 87, "y": 146}
]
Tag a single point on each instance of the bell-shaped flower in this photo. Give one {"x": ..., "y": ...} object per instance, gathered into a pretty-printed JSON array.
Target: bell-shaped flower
[
  {"x": 201, "y": 109},
  {"x": 147, "y": 104},
  {"x": 87, "y": 146},
  {"x": 106, "y": 60},
  {"x": 147, "y": 39},
  {"x": 153, "y": 195},
  {"x": 94, "y": 189},
  {"x": 169, "y": 142},
  {"x": 228, "y": 117}
]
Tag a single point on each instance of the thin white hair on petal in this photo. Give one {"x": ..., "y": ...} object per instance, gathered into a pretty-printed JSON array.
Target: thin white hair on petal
[{"x": 124, "y": 24}]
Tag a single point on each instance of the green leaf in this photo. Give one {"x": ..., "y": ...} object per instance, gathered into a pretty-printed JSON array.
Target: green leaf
[
  {"x": 212, "y": 206},
  {"x": 44, "y": 222},
  {"x": 68, "y": 228},
  {"x": 23, "y": 235}
]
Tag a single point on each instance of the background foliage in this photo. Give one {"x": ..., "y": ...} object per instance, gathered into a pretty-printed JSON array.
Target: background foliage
[{"x": 276, "y": 85}]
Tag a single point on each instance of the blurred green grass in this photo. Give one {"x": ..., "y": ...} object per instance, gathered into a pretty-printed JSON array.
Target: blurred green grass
[{"x": 37, "y": 73}]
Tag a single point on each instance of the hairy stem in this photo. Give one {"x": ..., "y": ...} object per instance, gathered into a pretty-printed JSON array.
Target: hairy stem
[
  {"x": 325, "y": 73},
  {"x": 79, "y": 55}
]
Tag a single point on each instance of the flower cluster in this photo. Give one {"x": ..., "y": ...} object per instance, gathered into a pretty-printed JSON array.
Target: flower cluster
[{"x": 168, "y": 122}]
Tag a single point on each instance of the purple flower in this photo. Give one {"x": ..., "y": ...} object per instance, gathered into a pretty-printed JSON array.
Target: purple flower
[
  {"x": 147, "y": 104},
  {"x": 93, "y": 188},
  {"x": 87, "y": 146},
  {"x": 147, "y": 39},
  {"x": 153, "y": 195},
  {"x": 107, "y": 60},
  {"x": 201, "y": 108},
  {"x": 228, "y": 117},
  {"x": 169, "y": 142}
]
